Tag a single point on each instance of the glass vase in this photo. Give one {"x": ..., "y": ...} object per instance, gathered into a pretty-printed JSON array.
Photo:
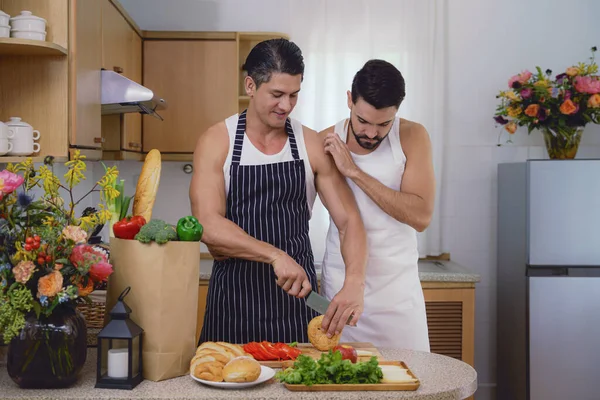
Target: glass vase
[
  {"x": 50, "y": 351},
  {"x": 562, "y": 143}
]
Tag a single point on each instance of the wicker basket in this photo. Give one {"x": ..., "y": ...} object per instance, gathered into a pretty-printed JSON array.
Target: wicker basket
[{"x": 94, "y": 311}]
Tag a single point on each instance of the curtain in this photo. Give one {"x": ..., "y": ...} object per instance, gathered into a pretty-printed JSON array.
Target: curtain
[{"x": 337, "y": 37}]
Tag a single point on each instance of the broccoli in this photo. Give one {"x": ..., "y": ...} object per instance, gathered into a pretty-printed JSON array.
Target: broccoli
[{"x": 156, "y": 230}]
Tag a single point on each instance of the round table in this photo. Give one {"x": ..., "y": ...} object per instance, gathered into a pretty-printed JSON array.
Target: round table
[{"x": 441, "y": 378}]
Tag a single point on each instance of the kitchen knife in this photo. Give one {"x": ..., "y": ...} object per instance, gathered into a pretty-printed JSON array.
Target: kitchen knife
[{"x": 317, "y": 302}]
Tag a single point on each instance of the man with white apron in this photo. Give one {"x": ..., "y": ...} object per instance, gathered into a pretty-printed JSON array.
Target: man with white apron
[
  {"x": 387, "y": 163},
  {"x": 256, "y": 176}
]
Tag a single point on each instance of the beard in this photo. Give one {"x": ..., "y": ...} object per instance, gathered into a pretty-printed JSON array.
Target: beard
[{"x": 364, "y": 141}]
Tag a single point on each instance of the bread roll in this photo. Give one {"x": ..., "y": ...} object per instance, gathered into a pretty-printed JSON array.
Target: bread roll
[
  {"x": 318, "y": 338},
  {"x": 147, "y": 185},
  {"x": 241, "y": 369},
  {"x": 236, "y": 349},
  {"x": 217, "y": 348}
]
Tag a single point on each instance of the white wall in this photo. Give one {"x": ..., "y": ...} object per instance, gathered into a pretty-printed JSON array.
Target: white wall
[{"x": 487, "y": 43}]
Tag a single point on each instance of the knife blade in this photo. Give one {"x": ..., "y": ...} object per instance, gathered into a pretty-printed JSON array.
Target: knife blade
[{"x": 317, "y": 302}]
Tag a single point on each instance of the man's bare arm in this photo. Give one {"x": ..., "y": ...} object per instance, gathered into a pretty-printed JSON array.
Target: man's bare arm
[
  {"x": 337, "y": 197},
  {"x": 413, "y": 204},
  {"x": 208, "y": 202}
]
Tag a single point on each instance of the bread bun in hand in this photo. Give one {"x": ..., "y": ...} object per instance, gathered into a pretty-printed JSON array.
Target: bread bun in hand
[
  {"x": 318, "y": 337},
  {"x": 241, "y": 369}
]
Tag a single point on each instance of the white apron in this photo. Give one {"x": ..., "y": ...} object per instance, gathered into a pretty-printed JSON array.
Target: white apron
[{"x": 394, "y": 307}]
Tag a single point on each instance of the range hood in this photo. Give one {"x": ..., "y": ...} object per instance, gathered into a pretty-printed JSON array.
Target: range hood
[{"x": 122, "y": 95}]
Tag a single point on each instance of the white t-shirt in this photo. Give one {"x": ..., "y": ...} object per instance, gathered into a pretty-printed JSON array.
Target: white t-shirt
[{"x": 252, "y": 156}]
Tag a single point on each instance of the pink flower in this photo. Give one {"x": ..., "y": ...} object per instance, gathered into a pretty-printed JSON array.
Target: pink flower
[
  {"x": 100, "y": 271},
  {"x": 522, "y": 78},
  {"x": 75, "y": 234},
  {"x": 587, "y": 84},
  {"x": 9, "y": 182},
  {"x": 86, "y": 259},
  {"x": 23, "y": 271}
]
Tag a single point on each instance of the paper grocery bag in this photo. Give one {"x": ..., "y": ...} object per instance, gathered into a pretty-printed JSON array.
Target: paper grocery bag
[{"x": 163, "y": 299}]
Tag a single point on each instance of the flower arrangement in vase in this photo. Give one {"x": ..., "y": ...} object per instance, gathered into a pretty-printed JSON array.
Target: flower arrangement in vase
[
  {"x": 560, "y": 107},
  {"x": 47, "y": 267}
]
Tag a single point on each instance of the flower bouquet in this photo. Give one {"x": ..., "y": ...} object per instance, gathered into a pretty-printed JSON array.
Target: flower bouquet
[
  {"x": 46, "y": 268},
  {"x": 560, "y": 107}
]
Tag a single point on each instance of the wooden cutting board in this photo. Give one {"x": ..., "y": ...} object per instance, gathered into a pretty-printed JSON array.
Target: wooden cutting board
[
  {"x": 309, "y": 350},
  {"x": 400, "y": 386}
]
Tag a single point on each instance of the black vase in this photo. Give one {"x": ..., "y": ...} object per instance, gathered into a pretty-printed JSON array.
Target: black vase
[{"x": 50, "y": 351}]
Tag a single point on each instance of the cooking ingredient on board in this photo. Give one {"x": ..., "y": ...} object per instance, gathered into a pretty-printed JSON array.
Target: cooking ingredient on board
[
  {"x": 241, "y": 369},
  {"x": 211, "y": 358},
  {"x": 147, "y": 185},
  {"x": 395, "y": 374},
  {"x": 189, "y": 229},
  {"x": 318, "y": 337},
  {"x": 128, "y": 227},
  {"x": 348, "y": 352},
  {"x": 158, "y": 231},
  {"x": 330, "y": 368},
  {"x": 267, "y": 351}
]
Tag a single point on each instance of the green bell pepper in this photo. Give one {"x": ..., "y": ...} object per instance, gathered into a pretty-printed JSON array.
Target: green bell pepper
[{"x": 189, "y": 229}]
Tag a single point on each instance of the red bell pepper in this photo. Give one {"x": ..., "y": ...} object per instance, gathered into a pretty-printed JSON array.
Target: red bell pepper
[{"x": 128, "y": 227}]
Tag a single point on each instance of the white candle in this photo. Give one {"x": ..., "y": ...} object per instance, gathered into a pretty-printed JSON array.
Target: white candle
[{"x": 117, "y": 363}]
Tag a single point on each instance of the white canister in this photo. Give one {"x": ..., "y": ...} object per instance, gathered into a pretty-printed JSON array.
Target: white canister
[
  {"x": 5, "y": 146},
  {"x": 4, "y": 18},
  {"x": 4, "y": 31},
  {"x": 27, "y": 35},
  {"x": 23, "y": 144},
  {"x": 6, "y": 132},
  {"x": 26, "y": 21}
]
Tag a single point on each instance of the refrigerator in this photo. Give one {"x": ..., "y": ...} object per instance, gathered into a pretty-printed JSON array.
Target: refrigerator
[{"x": 548, "y": 280}]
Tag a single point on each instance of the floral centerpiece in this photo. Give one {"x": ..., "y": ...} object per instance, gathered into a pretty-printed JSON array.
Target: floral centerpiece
[
  {"x": 560, "y": 107},
  {"x": 47, "y": 267}
]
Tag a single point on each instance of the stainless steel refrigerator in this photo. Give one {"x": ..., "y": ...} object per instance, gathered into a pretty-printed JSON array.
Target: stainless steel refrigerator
[{"x": 548, "y": 295}]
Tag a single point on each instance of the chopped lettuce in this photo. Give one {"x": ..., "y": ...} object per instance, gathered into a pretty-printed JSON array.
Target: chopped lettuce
[{"x": 330, "y": 369}]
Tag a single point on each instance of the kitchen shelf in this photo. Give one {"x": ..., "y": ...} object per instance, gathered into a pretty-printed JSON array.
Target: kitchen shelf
[
  {"x": 28, "y": 47},
  {"x": 35, "y": 159}
]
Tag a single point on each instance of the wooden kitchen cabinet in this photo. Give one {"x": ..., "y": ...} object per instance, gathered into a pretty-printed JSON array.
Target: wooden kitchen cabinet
[
  {"x": 122, "y": 53},
  {"x": 197, "y": 79}
]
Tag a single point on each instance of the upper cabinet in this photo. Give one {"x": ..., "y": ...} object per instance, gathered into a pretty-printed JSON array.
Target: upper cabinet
[{"x": 197, "y": 79}]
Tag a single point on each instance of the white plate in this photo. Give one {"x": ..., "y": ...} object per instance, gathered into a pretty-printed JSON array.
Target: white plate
[{"x": 266, "y": 373}]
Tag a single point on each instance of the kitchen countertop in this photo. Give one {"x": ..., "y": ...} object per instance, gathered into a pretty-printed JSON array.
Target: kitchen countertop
[
  {"x": 429, "y": 271},
  {"x": 441, "y": 378}
]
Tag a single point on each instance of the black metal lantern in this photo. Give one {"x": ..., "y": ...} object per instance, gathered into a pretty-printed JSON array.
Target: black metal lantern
[{"x": 120, "y": 350}]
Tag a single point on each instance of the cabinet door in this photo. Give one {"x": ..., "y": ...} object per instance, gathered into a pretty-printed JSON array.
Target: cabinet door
[
  {"x": 131, "y": 137},
  {"x": 86, "y": 79},
  {"x": 197, "y": 78},
  {"x": 115, "y": 37}
]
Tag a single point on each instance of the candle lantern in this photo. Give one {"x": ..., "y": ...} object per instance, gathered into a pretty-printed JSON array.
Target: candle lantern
[{"x": 119, "y": 350}]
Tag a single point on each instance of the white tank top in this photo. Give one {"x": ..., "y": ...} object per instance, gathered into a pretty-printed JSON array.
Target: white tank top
[{"x": 252, "y": 156}]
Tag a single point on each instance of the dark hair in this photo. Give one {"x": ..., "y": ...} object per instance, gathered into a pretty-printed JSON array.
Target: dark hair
[
  {"x": 274, "y": 56},
  {"x": 380, "y": 84}
]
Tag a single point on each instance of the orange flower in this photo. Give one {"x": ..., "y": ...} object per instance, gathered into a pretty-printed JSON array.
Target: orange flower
[
  {"x": 532, "y": 110},
  {"x": 568, "y": 107},
  {"x": 594, "y": 101},
  {"x": 572, "y": 71},
  {"x": 511, "y": 127},
  {"x": 84, "y": 291},
  {"x": 514, "y": 111},
  {"x": 49, "y": 285}
]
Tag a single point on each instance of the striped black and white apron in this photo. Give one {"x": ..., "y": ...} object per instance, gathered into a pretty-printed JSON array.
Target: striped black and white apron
[{"x": 268, "y": 202}]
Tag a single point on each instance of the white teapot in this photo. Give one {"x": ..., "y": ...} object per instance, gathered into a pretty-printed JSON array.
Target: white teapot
[{"x": 23, "y": 139}]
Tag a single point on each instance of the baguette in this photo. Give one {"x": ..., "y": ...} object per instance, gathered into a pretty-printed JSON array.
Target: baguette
[{"x": 147, "y": 185}]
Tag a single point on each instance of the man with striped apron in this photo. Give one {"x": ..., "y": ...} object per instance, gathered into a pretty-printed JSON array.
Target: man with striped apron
[
  {"x": 256, "y": 176},
  {"x": 269, "y": 202},
  {"x": 387, "y": 163}
]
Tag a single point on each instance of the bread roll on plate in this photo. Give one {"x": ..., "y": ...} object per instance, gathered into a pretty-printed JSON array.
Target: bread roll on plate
[{"x": 241, "y": 369}]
